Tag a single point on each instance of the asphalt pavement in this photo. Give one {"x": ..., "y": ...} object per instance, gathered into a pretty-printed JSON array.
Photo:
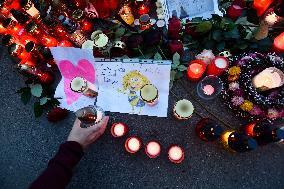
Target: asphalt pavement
[{"x": 28, "y": 143}]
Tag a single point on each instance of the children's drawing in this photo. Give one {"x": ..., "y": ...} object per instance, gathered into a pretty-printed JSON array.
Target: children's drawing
[
  {"x": 120, "y": 84},
  {"x": 132, "y": 83}
]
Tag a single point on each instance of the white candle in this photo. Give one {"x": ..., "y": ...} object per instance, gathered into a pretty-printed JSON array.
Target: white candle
[
  {"x": 176, "y": 154},
  {"x": 132, "y": 145},
  {"x": 118, "y": 129},
  {"x": 153, "y": 149},
  {"x": 269, "y": 78}
]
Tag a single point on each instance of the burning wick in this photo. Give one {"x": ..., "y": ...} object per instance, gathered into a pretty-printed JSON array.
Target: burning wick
[
  {"x": 176, "y": 154},
  {"x": 153, "y": 149},
  {"x": 119, "y": 129},
  {"x": 208, "y": 89},
  {"x": 133, "y": 145}
]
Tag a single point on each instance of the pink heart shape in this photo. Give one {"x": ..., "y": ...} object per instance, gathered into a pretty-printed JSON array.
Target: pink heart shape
[{"x": 83, "y": 69}]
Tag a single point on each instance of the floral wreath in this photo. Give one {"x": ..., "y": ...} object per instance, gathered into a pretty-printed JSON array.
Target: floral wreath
[{"x": 240, "y": 94}]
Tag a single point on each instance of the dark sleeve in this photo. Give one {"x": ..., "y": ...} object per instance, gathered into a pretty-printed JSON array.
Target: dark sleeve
[{"x": 59, "y": 170}]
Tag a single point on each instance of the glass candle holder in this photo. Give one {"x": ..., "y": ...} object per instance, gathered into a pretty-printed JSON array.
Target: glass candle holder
[
  {"x": 176, "y": 154},
  {"x": 153, "y": 149},
  {"x": 208, "y": 130},
  {"x": 118, "y": 130},
  {"x": 133, "y": 145},
  {"x": 90, "y": 115},
  {"x": 209, "y": 87},
  {"x": 81, "y": 85}
]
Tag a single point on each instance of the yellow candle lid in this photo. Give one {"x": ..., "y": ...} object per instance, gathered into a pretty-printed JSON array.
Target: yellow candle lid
[
  {"x": 149, "y": 93},
  {"x": 184, "y": 108}
]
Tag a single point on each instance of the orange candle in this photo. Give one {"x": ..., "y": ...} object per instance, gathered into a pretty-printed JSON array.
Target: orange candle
[
  {"x": 279, "y": 43},
  {"x": 196, "y": 69},
  {"x": 261, "y": 6}
]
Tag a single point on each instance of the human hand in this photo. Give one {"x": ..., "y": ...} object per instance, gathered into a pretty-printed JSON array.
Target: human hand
[{"x": 86, "y": 136}]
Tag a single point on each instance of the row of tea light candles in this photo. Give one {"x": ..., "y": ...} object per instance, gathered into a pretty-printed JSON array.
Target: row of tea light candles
[{"x": 153, "y": 148}]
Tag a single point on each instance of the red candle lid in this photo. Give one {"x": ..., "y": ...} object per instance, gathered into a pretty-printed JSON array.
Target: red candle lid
[
  {"x": 153, "y": 149},
  {"x": 176, "y": 154},
  {"x": 133, "y": 144},
  {"x": 118, "y": 129}
]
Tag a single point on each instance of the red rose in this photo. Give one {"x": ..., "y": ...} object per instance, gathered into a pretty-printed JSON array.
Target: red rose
[
  {"x": 57, "y": 114},
  {"x": 174, "y": 29},
  {"x": 234, "y": 12},
  {"x": 240, "y": 3},
  {"x": 176, "y": 47},
  {"x": 190, "y": 29}
]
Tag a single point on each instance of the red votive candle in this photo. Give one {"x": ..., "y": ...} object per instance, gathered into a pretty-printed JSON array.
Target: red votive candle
[
  {"x": 218, "y": 66},
  {"x": 118, "y": 130},
  {"x": 133, "y": 145},
  {"x": 278, "y": 44},
  {"x": 153, "y": 149},
  {"x": 261, "y": 6},
  {"x": 176, "y": 154},
  {"x": 196, "y": 69}
]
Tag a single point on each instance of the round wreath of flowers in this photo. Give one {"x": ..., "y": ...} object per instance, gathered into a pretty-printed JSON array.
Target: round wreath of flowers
[{"x": 240, "y": 94}]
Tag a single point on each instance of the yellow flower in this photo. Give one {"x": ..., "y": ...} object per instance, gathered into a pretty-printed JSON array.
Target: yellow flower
[
  {"x": 247, "y": 106},
  {"x": 235, "y": 70}
]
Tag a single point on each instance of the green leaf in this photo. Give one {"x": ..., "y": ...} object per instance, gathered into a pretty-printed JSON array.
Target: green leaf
[
  {"x": 221, "y": 46},
  {"x": 178, "y": 75},
  {"x": 26, "y": 96},
  {"x": 217, "y": 35},
  {"x": 36, "y": 90},
  {"x": 38, "y": 109},
  {"x": 204, "y": 27},
  {"x": 158, "y": 56},
  {"x": 173, "y": 74},
  {"x": 176, "y": 59},
  {"x": 182, "y": 68},
  {"x": 227, "y": 24},
  {"x": 119, "y": 32},
  {"x": 233, "y": 34},
  {"x": 43, "y": 100}
]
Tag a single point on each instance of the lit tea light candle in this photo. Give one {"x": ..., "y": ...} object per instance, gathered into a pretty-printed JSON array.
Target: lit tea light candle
[
  {"x": 176, "y": 154},
  {"x": 278, "y": 44},
  {"x": 261, "y": 6},
  {"x": 218, "y": 66},
  {"x": 119, "y": 129},
  {"x": 149, "y": 94},
  {"x": 133, "y": 145},
  {"x": 195, "y": 70},
  {"x": 153, "y": 149},
  {"x": 81, "y": 85},
  {"x": 269, "y": 78},
  {"x": 208, "y": 89},
  {"x": 183, "y": 109}
]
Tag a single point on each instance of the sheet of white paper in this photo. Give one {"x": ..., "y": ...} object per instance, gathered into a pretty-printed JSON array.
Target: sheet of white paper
[
  {"x": 73, "y": 62},
  {"x": 191, "y": 8},
  {"x": 115, "y": 98}
]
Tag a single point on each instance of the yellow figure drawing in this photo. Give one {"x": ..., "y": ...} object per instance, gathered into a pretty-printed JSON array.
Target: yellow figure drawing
[{"x": 132, "y": 83}]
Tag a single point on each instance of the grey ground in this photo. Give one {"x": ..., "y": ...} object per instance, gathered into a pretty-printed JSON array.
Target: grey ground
[{"x": 28, "y": 143}]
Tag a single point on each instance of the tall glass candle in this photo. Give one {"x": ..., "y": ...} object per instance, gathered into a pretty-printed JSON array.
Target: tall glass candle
[
  {"x": 218, "y": 66},
  {"x": 195, "y": 70},
  {"x": 261, "y": 6},
  {"x": 278, "y": 44}
]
